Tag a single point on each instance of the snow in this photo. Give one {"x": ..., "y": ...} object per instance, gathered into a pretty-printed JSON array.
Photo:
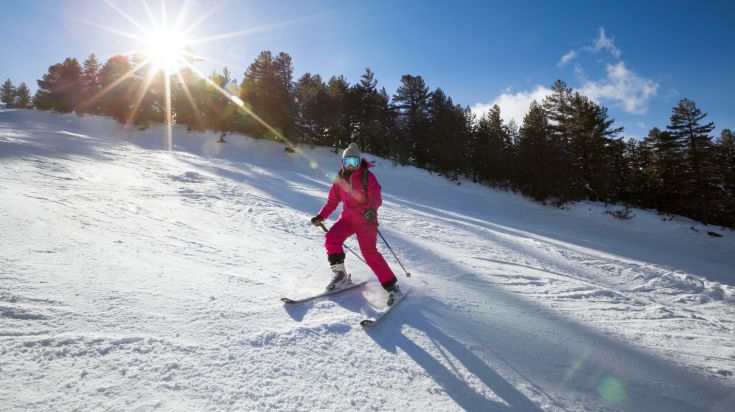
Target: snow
[{"x": 136, "y": 278}]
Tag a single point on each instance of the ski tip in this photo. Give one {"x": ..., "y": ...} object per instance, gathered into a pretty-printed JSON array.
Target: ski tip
[
  {"x": 287, "y": 300},
  {"x": 366, "y": 322}
]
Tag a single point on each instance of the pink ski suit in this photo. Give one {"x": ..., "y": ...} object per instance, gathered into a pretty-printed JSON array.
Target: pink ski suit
[{"x": 355, "y": 201}]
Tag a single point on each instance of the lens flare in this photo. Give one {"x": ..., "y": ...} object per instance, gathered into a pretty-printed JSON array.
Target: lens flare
[{"x": 612, "y": 391}]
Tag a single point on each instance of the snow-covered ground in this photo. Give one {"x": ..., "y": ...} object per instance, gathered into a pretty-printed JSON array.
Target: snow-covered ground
[{"x": 136, "y": 278}]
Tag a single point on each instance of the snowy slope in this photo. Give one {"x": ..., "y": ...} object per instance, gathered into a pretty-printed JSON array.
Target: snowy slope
[{"x": 135, "y": 278}]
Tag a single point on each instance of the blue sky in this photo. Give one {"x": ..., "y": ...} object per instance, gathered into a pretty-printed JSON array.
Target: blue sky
[{"x": 639, "y": 60}]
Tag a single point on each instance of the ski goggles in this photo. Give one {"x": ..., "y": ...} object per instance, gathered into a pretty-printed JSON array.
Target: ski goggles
[{"x": 350, "y": 161}]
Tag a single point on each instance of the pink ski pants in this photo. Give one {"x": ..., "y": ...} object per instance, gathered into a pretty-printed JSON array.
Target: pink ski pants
[{"x": 367, "y": 237}]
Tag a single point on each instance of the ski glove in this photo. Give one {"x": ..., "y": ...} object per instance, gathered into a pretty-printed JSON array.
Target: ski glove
[
  {"x": 317, "y": 220},
  {"x": 370, "y": 216}
]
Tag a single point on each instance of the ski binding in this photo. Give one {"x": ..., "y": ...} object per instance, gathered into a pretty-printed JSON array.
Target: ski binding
[{"x": 381, "y": 315}]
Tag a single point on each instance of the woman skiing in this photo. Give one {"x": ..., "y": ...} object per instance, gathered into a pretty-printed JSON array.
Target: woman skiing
[{"x": 359, "y": 217}]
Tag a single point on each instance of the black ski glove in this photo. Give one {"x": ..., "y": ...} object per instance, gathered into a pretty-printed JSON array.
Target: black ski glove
[
  {"x": 317, "y": 220},
  {"x": 370, "y": 216}
]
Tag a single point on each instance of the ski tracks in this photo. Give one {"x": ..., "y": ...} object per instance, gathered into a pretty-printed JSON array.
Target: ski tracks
[{"x": 652, "y": 307}]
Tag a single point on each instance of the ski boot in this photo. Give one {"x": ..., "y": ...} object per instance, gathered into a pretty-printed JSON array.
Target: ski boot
[
  {"x": 393, "y": 293},
  {"x": 340, "y": 278}
]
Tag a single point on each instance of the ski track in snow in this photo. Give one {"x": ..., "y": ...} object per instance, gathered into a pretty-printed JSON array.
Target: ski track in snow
[{"x": 135, "y": 278}]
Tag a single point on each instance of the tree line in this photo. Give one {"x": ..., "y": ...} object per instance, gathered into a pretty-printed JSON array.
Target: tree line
[{"x": 567, "y": 148}]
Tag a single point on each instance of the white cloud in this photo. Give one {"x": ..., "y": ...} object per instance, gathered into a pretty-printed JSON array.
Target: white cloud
[
  {"x": 571, "y": 54},
  {"x": 512, "y": 105},
  {"x": 602, "y": 42},
  {"x": 623, "y": 87},
  {"x": 579, "y": 72}
]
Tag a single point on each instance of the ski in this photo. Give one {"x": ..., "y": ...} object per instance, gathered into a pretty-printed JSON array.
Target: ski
[
  {"x": 319, "y": 295},
  {"x": 381, "y": 315}
]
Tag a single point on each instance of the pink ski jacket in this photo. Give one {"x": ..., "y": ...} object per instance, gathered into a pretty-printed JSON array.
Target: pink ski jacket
[{"x": 352, "y": 194}]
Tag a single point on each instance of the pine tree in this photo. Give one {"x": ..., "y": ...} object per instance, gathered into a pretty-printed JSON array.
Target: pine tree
[
  {"x": 222, "y": 111},
  {"x": 635, "y": 188},
  {"x": 7, "y": 93},
  {"x": 445, "y": 138},
  {"x": 187, "y": 99},
  {"x": 59, "y": 88},
  {"x": 256, "y": 79},
  {"x": 725, "y": 149},
  {"x": 382, "y": 134},
  {"x": 479, "y": 148},
  {"x": 369, "y": 112},
  {"x": 493, "y": 148},
  {"x": 699, "y": 185},
  {"x": 534, "y": 154},
  {"x": 513, "y": 131},
  {"x": 664, "y": 170},
  {"x": 466, "y": 120},
  {"x": 615, "y": 183},
  {"x": 725, "y": 145},
  {"x": 90, "y": 85},
  {"x": 337, "y": 120},
  {"x": 286, "y": 102},
  {"x": 557, "y": 107},
  {"x": 67, "y": 88},
  {"x": 147, "y": 94},
  {"x": 267, "y": 89},
  {"x": 23, "y": 97},
  {"x": 311, "y": 97},
  {"x": 466, "y": 139},
  {"x": 592, "y": 151},
  {"x": 452, "y": 130},
  {"x": 45, "y": 97},
  {"x": 117, "y": 94},
  {"x": 411, "y": 102}
]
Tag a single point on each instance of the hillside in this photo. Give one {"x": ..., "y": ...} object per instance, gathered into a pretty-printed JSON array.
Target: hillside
[{"x": 136, "y": 278}]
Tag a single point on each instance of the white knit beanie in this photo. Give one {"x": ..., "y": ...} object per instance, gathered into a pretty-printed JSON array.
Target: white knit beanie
[{"x": 352, "y": 151}]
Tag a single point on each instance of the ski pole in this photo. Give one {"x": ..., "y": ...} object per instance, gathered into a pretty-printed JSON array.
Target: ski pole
[
  {"x": 324, "y": 228},
  {"x": 391, "y": 251}
]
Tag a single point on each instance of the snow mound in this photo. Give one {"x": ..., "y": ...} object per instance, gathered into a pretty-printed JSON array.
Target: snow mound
[
  {"x": 693, "y": 287},
  {"x": 659, "y": 312}
]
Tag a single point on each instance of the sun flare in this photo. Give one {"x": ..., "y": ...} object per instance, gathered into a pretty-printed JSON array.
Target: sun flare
[{"x": 167, "y": 50}]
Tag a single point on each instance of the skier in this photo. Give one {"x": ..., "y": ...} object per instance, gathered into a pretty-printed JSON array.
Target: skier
[{"x": 359, "y": 217}]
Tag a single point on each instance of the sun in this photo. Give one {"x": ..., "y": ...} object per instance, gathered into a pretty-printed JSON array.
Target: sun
[{"x": 167, "y": 50}]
